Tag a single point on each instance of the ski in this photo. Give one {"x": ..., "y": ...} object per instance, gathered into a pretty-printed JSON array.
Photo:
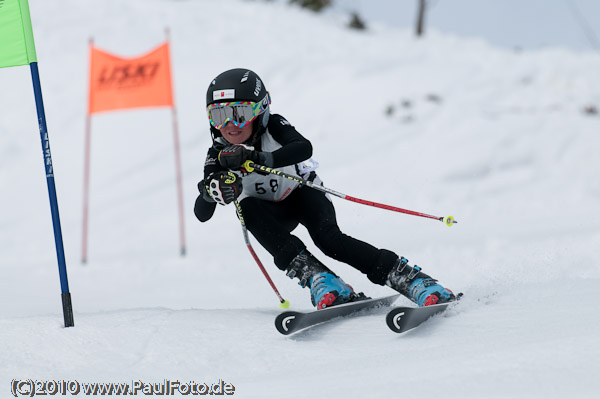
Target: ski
[
  {"x": 404, "y": 318},
  {"x": 290, "y": 322}
]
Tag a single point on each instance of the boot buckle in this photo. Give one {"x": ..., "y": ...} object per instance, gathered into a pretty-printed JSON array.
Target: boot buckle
[
  {"x": 304, "y": 279},
  {"x": 413, "y": 273},
  {"x": 401, "y": 264}
]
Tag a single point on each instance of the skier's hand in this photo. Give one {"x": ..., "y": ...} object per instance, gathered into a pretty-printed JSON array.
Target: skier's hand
[
  {"x": 234, "y": 156},
  {"x": 224, "y": 187},
  {"x": 204, "y": 191}
]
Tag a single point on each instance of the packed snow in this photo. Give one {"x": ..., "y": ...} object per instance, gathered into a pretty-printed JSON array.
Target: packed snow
[{"x": 506, "y": 142}]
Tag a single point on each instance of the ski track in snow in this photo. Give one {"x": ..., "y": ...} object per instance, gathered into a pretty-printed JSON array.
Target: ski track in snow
[{"x": 496, "y": 138}]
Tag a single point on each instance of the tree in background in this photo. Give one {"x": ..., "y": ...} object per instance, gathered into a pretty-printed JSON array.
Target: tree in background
[
  {"x": 421, "y": 17},
  {"x": 356, "y": 22},
  {"x": 313, "y": 5}
]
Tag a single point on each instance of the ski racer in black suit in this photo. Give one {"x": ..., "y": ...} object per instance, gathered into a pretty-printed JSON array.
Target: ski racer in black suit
[{"x": 242, "y": 129}]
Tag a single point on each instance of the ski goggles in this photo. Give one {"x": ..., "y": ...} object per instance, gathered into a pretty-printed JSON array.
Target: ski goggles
[{"x": 238, "y": 112}]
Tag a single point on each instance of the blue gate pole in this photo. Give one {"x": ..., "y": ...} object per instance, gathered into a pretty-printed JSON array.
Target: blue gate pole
[{"x": 60, "y": 252}]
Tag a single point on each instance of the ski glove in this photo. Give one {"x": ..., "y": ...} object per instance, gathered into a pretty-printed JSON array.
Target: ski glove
[
  {"x": 224, "y": 187},
  {"x": 234, "y": 156},
  {"x": 204, "y": 191}
]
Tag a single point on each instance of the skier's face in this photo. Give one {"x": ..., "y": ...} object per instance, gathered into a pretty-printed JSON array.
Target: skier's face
[{"x": 236, "y": 135}]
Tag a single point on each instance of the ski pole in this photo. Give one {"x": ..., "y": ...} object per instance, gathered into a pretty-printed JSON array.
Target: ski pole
[
  {"x": 251, "y": 167},
  {"x": 284, "y": 303}
]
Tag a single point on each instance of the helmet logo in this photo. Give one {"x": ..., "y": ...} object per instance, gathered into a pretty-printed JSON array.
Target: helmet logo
[
  {"x": 258, "y": 87},
  {"x": 245, "y": 77},
  {"x": 223, "y": 94}
]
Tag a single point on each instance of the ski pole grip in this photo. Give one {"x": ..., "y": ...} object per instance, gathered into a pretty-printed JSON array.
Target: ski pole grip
[
  {"x": 260, "y": 169},
  {"x": 249, "y": 166}
]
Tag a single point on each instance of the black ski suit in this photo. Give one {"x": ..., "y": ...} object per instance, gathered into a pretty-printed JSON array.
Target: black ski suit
[{"x": 273, "y": 206}]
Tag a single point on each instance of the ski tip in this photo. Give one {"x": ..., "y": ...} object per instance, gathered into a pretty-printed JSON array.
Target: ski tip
[
  {"x": 405, "y": 318},
  {"x": 393, "y": 319},
  {"x": 285, "y": 322}
]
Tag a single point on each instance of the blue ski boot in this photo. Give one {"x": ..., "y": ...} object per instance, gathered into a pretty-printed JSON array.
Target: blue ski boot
[
  {"x": 326, "y": 289},
  {"x": 416, "y": 285},
  {"x": 329, "y": 290}
]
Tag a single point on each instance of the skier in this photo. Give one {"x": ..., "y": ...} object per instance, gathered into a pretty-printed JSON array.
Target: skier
[{"x": 242, "y": 129}]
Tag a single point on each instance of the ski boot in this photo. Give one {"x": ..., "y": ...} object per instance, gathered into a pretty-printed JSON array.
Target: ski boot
[
  {"x": 416, "y": 285},
  {"x": 326, "y": 289}
]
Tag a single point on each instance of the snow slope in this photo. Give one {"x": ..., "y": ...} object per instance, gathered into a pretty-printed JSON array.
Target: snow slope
[{"x": 496, "y": 138}]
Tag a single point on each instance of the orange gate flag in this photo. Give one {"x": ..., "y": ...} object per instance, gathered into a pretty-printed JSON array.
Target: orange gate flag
[{"x": 120, "y": 83}]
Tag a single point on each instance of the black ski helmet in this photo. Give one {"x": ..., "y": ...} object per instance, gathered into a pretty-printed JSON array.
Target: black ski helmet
[{"x": 239, "y": 84}]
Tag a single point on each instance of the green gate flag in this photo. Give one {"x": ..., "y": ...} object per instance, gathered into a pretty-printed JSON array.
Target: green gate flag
[{"x": 16, "y": 35}]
